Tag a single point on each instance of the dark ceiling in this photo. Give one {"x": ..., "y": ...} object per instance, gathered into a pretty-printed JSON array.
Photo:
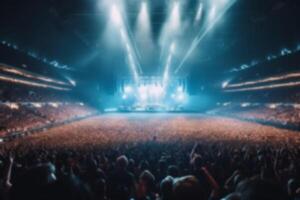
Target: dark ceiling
[{"x": 69, "y": 31}]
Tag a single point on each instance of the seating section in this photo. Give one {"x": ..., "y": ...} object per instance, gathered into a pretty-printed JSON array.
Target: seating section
[
  {"x": 280, "y": 114},
  {"x": 15, "y": 117}
]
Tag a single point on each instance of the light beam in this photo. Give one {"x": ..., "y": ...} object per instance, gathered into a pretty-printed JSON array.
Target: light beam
[
  {"x": 116, "y": 15},
  {"x": 273, "y": 86},
  {"x": 117, "y": 19},
  {"x": 199, "y": 12},
  {"x": 212, "y": 22},
  {"x": 266, "y": 80},
  {"x": 168, "y": 65}
]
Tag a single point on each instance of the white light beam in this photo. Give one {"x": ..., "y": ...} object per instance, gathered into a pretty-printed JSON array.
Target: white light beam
[{"x": 201, "y": 35}]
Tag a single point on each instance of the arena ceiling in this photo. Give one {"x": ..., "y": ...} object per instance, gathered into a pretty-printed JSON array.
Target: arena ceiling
[{"x": 71, "y": 32}]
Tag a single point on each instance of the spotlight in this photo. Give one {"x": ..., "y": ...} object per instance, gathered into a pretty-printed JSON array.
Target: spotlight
[
  {"x": 213, "y": 12},
  {"x": 159, "y": 91},
  {"x": 285, "y": 51},
  {"x": 156, "y": 91},
  {"x": 128, "y": 89},
  {"x": 116, "y": 15},
  {"x": 144, "y": 96},
  {"x": 273, "y": 106},
  {"x": 245, "y": 105},
  {"x": 37, "y": 105},
  {"x": 73, "y": 82},
  {"x": 225, "y": 84},
  {"x": 142, "y": 89},
  {"x": 181, "y": 97},
  {"x": 152, "y": 90},
  {"x": 144, "y": 17},
  {"x": 13, "y": 106},
  {"x": 244, "y": 67},
  {"x": 124, "y": 96},
  {"x": 54, "y": 105},
  {"x": 175, "y": 16},
  {"x": 143, "y": 32},
  {"x": 180, "y": 89}
]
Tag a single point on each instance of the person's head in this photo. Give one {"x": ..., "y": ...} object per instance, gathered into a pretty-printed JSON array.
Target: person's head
[
  {"x": 292, "y": 187},
  {"x": 122, "y": 162},
  {"x": 166, "y": 188},
  {"x": 146, "y": 183},
  {"x": 187, "y": 187},
  {"x": 258, "y": 189},
  {"x": 162, "y": 164},
  {"x": 197, "y": 162},
  {"x": 173, "y": 171}
]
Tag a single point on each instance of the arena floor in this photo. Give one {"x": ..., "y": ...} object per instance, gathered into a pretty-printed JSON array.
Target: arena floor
[{"x": 112, "y": 129}]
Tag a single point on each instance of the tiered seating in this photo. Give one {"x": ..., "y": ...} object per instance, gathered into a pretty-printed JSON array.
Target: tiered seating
[{"x": 288, "y": 115}]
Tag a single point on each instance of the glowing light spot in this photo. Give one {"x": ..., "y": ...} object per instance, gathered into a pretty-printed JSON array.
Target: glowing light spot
[
  {"x": 225, "y": 84},
  {"x": 199, "y": 12},
  {"x": 128, "y": 89},
  {"x": 266, "y": 80},
  {"x": 124, "y": 96},
  {"x": 13, "y": 106},
  {"x": 116, "y": 15},
  {"x": 175, "y": 16}
]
